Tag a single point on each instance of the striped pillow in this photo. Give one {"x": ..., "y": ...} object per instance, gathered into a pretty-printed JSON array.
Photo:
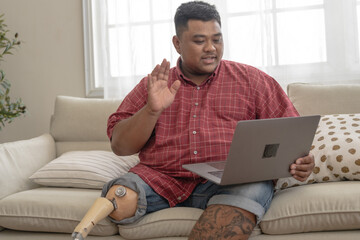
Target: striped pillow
[{"x": 84, "y": 169}]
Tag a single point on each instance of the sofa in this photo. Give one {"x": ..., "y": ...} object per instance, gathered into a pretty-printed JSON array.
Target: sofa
[{"x": 49, "y": 182}]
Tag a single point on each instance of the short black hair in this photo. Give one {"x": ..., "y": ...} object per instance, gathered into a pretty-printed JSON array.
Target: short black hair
[{"x": 197, "y": 10}]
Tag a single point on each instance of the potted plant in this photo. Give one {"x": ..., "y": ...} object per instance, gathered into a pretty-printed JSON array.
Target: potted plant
[{"x": 8, "y": 109}]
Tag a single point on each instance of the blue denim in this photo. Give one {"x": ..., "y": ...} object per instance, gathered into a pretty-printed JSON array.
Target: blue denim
[{"x": 253, "y": 197}]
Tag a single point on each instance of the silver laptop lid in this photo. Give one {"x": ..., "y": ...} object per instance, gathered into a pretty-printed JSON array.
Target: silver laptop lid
[{"x": 264, "y": 149}]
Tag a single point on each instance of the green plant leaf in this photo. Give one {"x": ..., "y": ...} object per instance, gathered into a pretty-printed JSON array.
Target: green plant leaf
[{"x": 8, "y": 109}]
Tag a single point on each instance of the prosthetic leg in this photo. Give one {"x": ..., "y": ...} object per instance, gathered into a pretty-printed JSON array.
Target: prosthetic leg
[{"x": 120, "y": 203}]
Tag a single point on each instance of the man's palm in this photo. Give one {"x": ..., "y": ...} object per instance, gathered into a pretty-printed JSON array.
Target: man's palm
[{"x": 160, "y": 96}]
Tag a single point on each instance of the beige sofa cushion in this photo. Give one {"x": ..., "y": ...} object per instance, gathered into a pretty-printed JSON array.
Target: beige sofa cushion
[
  {"x": 316, "y": 207},
  {"x": 84, "y": 169},
  {"x": 20, "y": 159},
  {"x": 51, "y": 210},
  {"x": 23, "y": 235},
  {"x": 61, "y": 209},
  {"x": 311, "y": 99},
  {"x": 170, "y": 222}
]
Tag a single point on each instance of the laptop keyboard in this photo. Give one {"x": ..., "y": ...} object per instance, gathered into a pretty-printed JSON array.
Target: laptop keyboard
[
  {"x": 217, "y": 165},
  {"x": 217, "y": 173}
]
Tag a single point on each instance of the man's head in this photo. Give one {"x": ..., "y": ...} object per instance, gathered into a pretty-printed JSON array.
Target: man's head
[
  {"x": 195, "y": 10},
  {"x": 198, "y": 39}
]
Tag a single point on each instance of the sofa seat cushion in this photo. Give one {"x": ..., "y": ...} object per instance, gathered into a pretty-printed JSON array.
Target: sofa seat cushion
[
  {"x": 317, "y": 207},
  {"x": 170, "y": 222},
  {"x": 25, "y": 235},
  {"x": 51, "y": 210},
  {"x": 61, "y": 209}
]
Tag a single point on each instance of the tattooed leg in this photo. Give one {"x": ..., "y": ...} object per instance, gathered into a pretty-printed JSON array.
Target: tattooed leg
[{"x": 223, "y": 222}]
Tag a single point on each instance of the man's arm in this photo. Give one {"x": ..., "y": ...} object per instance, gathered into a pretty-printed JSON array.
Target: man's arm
[{"x": 130, "y": 135}]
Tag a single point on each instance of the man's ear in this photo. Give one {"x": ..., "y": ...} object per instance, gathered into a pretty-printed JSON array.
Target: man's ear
[{"x": 176, "y": 42}]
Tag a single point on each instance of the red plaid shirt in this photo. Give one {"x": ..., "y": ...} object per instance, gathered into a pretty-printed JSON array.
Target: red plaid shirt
[{"x": 200, "y": 123}]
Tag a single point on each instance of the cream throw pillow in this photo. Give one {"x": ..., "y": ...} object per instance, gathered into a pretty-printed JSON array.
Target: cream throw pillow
[
  {"x": 336, "y": 148},
  {"x": 20, "y": 159},
  {"x": 84, "y": 169}
]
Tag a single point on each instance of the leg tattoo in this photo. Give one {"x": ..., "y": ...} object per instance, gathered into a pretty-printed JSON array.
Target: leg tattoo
[{"x": 223, "y": 222}]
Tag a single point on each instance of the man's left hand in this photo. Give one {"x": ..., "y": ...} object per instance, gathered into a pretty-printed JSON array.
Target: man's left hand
[{"x": 302, "y": 168}]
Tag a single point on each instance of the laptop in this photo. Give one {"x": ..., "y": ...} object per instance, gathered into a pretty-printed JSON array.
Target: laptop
[{"x": 261, "y": 149}]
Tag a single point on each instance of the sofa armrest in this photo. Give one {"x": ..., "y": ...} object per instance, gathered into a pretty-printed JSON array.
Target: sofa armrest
[{"x": 20, "y": 159}]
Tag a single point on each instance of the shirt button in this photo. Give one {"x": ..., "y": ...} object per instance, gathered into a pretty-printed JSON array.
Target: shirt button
[
  {"x": 195, "y": 152},
  {"x": 198, "y": 88},
  {"x": 179, "y": 198},
  {"x": 194, "y": 132},
  {"x": 194, "y": 116},
  {"x": 196, "y": 104}
]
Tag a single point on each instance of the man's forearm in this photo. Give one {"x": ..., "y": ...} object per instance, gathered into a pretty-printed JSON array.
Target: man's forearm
[{"x": 130, "y": 135}]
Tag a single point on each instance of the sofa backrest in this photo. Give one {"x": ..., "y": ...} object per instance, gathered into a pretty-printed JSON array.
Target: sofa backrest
[
  {"x": 311, "y": 99},
  {"x": 80, "y": 123}
]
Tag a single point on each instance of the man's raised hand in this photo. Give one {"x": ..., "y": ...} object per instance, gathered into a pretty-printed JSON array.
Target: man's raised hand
[{"x": 160, "y": 96}]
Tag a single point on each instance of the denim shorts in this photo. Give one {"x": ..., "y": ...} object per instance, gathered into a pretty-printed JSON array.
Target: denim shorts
[{"x": 253, "y": 197}]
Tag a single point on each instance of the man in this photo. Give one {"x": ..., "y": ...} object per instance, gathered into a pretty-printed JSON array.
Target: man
[{"x": 188, "y": 114}]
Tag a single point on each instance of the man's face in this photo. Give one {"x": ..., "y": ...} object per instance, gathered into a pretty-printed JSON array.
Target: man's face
[{"x": 201, "y": 48}]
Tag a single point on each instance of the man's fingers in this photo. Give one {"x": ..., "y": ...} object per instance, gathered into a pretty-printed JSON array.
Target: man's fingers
[
  {"x": 305, "y": 160},
  {"x": 304, "y": 164},
  {"x": 301, "y": 173},
  {"x": 155, "y": 71},
  {"x": 150, "y": 81},
  {"x": 160, "y": 72},
  {"x": 167, "y": 69},
  {"x": 303, "y": 167},
  {"x": 163, "y": 70},
  {"x": 301, "y": 179}
]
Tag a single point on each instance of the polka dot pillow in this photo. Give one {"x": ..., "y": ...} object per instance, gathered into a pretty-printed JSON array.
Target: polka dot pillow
[{"x": 336, "y": 149}]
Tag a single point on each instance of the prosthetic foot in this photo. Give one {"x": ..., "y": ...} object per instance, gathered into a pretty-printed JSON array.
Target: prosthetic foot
[{"x": 120, "y": 203}]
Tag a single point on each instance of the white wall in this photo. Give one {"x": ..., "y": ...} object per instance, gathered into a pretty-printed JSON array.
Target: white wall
[{"x": 49, "y": 62}]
